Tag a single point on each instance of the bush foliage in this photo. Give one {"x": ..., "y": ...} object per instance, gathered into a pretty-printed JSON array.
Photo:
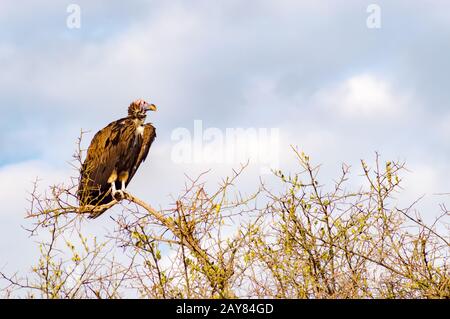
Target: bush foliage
[{"x": 308, "y": 240}]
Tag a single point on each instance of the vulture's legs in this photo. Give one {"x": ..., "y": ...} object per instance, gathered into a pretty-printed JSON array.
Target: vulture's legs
[
  {"x": 116, "y": 194},
  {"x": 123, "y": 177},
  {"x": 113, "y": 189}
]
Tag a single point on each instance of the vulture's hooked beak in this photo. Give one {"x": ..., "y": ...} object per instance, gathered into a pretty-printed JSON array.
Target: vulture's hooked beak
[{"x": 151, "y": 107}]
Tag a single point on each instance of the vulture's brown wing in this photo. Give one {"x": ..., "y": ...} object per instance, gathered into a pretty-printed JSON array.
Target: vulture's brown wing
[
  {"x": 108, "y": 146},
  {"x": 148, "y": 138}
]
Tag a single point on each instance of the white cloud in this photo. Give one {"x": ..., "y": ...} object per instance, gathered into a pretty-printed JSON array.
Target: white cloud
[
  {"x": 363, "y": 96},
  {"x": 17, "y": 183},
  {"x": 422, "y": 180},
  {"x": 443, "y": 127}
]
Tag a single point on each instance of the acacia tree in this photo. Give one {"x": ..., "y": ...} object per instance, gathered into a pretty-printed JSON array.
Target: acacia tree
[
  {"x": 345, "y": 243},
  {"x": 305, "y": 241}
]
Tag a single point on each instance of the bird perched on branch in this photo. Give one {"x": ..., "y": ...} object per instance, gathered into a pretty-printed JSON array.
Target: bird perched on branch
[{"x": 114, "y": 156}]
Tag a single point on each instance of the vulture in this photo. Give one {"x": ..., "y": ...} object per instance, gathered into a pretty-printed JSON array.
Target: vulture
[{"x": 114, "y": 156}]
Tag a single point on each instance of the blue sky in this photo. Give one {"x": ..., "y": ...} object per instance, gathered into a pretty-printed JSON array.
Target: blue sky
[{"x": 312, "y": 69}]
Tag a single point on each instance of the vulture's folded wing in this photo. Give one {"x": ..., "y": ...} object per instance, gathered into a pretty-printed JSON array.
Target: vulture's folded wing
[
  {"x": 107, "y": 148},
  {"x": 148, "y": 138}
]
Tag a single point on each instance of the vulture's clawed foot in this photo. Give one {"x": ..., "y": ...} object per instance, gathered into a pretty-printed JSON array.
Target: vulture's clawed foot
[{"x": 118, "y": 195}]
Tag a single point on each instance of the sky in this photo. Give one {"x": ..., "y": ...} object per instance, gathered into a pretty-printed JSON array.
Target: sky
[{"x": 312, "y": 73}]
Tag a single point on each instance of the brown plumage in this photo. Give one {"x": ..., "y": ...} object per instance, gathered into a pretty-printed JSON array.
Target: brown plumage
[{"x": 114, "y": 156}]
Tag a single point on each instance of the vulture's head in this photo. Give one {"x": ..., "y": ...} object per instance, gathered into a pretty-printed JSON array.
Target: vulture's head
[{"x": 139, "y": 108}]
